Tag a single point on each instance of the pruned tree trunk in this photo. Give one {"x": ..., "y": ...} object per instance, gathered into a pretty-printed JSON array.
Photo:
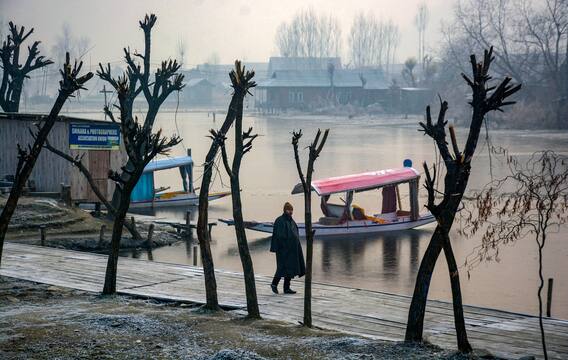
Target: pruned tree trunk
[
  {"x": 70, "y": 83},
  {"x": 315, "y": 149},
  {"x": 203, "y": 235},
  {"x": 140, "y": 143},
  {"x": 458, "y": 168},
  {"x": 243, "y": 144},
  {"x": 109, "y": 287},
  {"x": 13, "y": 72}
]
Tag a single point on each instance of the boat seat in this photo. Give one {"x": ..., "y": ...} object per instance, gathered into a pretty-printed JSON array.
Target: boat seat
[{"x": 328, "y": 220}]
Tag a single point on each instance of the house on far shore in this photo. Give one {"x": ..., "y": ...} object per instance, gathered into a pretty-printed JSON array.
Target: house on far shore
[
  {"x": 198, "y": 92},
  {"x": 310, "y": 89}
]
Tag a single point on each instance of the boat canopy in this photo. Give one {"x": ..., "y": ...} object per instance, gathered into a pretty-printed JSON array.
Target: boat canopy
[
  {"x": 361, "y": 182},
  {"x": 168, "y": 163}
]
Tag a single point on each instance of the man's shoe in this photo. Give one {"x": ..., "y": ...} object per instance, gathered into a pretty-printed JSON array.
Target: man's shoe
[
  {"x": 274, "y": 288},
  {"x": 289, "y": 291}
]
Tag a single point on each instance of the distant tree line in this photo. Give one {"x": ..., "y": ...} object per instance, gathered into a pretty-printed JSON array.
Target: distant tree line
[
  {"x": 530, "y": 39},
  {"x": 371, "y": 41}
]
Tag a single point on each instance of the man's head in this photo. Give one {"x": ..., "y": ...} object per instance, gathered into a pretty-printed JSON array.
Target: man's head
[{"x": 288, "y": 208}]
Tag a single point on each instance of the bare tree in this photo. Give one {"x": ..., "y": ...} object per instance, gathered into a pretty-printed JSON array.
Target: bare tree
[
  {"x": 140, "y": 143},
  {"x": 243, "y": 144},
  {"x": 166, "y": 80},
  {"x": 367, "y": 41},
  {"x": 309, "y": 35},
  {"x": 421, "y": 23},
  {"x": 485, "y": 98},
  {"x": 531, "y": 42},
  {"x": 530, "y": 201},
  {"x": 70, "y": 82},
  {"x": 314, "y": 149},
  {"x": 181, "y": 50},
  {"x": 392, "y": 39},
  {"x": 241, "y": 82},
  {"x": 13, "y": 72},
  {"x": 408, "y": 71}
]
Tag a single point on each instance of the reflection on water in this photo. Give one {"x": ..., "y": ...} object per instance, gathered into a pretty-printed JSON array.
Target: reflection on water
[{"x": 386, "y": 262}]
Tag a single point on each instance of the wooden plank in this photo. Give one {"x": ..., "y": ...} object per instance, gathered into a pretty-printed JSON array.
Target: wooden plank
[{"x": 363, "y": 312}]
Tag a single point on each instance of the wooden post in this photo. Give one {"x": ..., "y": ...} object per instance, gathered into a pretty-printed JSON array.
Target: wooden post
[
  {"x": 187, "y": 224},
  {"x": 102, "y": 236},
  {"x": 190, "y": 174},
  {"x": 133, "y": 221},
  {"x": 194, "y": 255},
  {"x": 66, "y": 194},
  {"x": 414, "y": 210},
  {"x": 97, "y": 209},
  {"x": 150, "y": 234},
  {"x": 42, "y": 234},
  {"x": 549, "y": 297}
]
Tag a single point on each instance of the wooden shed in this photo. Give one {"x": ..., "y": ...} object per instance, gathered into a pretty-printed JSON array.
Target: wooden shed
[{"x": 99, "y": 141}]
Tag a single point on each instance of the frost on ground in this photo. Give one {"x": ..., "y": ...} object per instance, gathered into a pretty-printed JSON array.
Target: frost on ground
[
  {"x": 73, "y": 228},
  {"x": 46, "y": 322}
]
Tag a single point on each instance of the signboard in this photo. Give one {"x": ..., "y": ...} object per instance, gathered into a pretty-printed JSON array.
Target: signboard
[{"x": 84, "y": 136}]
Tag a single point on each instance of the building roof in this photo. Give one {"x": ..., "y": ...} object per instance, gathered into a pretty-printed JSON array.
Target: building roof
[
  {"x": 41, "y": 117},
  {"x": 372, "y": 79},
  {"x": 198, "y": 81},
  {"x": 302, "y": 63}
]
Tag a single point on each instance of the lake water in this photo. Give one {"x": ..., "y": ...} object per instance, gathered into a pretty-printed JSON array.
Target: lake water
[{"x": 386, "y": 262}]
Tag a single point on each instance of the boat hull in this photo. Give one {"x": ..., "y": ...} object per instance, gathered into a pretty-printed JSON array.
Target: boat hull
[
  {"x": 348, "y": 228},
  {"x": 191, "y": 199}
]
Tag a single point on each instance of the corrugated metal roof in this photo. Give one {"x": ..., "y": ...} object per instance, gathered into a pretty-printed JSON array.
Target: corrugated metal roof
[
  {"x": 321, "y": 78},
  {"x": 302, "y": 63}
]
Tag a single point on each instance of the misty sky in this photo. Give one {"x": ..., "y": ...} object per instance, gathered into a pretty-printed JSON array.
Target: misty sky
[{"x": 233, "y": 29}]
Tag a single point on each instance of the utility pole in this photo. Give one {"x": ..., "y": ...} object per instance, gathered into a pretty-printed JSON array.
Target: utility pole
[{"x": 105, "y": 92}]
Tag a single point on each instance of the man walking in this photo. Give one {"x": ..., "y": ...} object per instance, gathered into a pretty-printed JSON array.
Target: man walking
[{"x": 286, "y": 244}]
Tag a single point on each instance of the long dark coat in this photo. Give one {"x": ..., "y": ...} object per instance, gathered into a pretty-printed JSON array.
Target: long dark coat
[{"x": 286, "y": 244}]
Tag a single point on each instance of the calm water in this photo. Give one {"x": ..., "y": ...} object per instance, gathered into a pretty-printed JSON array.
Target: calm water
[{"x": 386, "y": 262}]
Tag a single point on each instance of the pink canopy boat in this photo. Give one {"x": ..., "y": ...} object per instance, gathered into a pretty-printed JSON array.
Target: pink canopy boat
[{"x": 348, "y": 218}]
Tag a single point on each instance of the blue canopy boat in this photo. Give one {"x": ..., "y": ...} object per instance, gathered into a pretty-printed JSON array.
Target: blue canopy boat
[{"x": 146, "y": 195}]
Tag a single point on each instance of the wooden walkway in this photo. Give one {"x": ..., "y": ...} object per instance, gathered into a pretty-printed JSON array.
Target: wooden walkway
[{"x": 368, "y": 313}]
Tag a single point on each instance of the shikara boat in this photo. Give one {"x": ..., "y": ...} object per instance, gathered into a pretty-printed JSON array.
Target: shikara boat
[
  {"x": 348, "y": 218},
  {"x": 146, "y": 195}
]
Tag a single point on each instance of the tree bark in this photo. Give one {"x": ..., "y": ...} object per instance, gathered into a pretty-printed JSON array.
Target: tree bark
[
  {"x": 309, "y": 255},
  {"x": 246, "y": 260},
  {"x": 415, "y": 322},
  {"x": 244, "y": 254},
  {"x": 109, "y": 287},
  {"x": 459, "y": 321},
  {"x": 203, "y": 235},
  {"x": 540, "y": 287}
]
